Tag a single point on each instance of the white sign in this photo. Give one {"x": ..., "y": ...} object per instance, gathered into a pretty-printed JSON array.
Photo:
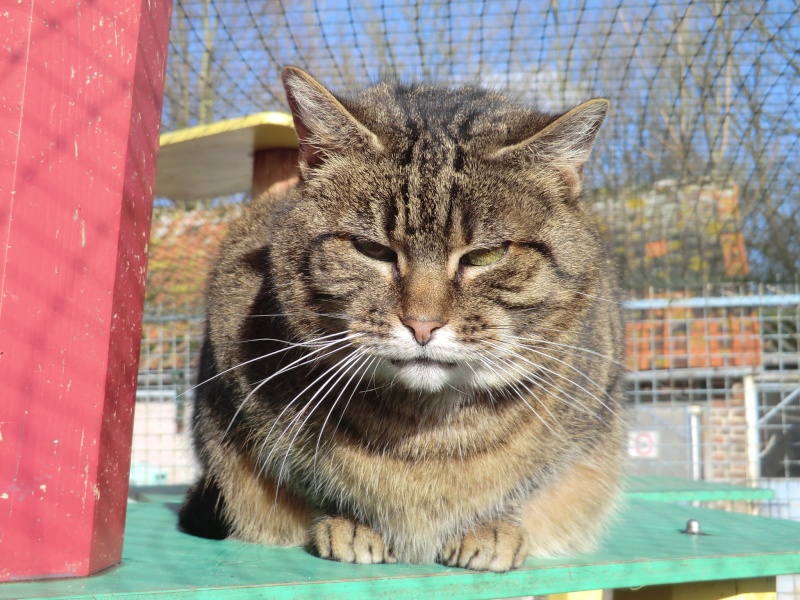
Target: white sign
[{"x": 643, "y": 443}]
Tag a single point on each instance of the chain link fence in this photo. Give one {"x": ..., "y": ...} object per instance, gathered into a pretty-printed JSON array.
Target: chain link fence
[{"x": 694, "y": 180}]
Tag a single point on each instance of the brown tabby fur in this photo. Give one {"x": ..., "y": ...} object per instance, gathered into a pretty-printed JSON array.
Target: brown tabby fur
[{"x": 400, "y": 402}]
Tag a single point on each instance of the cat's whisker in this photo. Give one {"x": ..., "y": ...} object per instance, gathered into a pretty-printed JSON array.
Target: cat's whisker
[
  {"x": 520, "y": 383},
  {"x": 489, "y": 363},
  {"x": 600, "y": 298},
  {"x": 510, "y": 349},
  {"x": 311, "y": 343},
  {"x": 290, "y": 345},
  {"x": 372, "y": 385},
  {"x": 511, "y": 336},
  {"x": 548, "y": 377},
  {"x": 310, "y": 357},
  {"x": 540, "y": 352},
  {"x": 538, "y": 381},
  {"x": 289, "y": 404},
  {"x": 329, "y": 385},
  {"x": 552, "y": 388},
  {"x": 535, "y": 380},
  {"x": 538, "y": 340},
  {"x": 233, "y": 368},
  {"x": 341, "y": 369},
  {"x": 561, "y": 375},
  {"x": 468, "y": 363},
  {"x": 310, "y": 385},
  {"x": 538, "y": 416},
  {"x": 299, "y": 362},
  {"x": 365, "y": 364},
  {"x": 296, "y": 312}
]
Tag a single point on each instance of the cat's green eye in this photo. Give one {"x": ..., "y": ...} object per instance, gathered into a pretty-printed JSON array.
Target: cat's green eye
[
  {"x": 375, "y": 250},
  {"x": 483, "y": 257}
]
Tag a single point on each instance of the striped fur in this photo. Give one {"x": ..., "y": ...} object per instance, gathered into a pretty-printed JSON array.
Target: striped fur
[{"x": 414, "y": 354}]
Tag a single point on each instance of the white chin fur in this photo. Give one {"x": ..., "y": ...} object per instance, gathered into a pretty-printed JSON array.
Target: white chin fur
[
  {"x": 432, "y": 378},
  {"x": 427, "y": 377},
  {"x": 406, "y": 365}
]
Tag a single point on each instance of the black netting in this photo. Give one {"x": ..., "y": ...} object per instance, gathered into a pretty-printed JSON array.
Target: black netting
[{"x": 695, "y": 175}]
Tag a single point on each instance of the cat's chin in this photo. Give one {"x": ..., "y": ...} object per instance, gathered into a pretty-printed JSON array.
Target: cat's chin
[
  {"x": 426, "y": 375},
  {"x": 433, "y": 376}
]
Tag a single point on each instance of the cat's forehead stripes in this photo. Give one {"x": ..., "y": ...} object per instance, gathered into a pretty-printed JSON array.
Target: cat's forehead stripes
[{"x": 427, "y": 206}]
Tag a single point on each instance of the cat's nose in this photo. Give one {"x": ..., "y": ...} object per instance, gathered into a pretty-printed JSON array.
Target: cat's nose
[{"x": 422, "y": 328}]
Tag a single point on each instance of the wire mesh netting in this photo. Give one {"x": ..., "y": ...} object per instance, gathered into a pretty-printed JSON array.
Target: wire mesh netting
[
  {"x": 704, "y": 96},
  {"x": 694, "y": 179}
]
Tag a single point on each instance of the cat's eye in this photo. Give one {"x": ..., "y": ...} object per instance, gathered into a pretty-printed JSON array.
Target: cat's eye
[
  {"x": 483, "y": 257},
  {"x": 375, "y": 250}
]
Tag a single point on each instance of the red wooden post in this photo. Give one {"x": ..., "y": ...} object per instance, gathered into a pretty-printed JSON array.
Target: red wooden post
[{"x": 80, "y": 103}]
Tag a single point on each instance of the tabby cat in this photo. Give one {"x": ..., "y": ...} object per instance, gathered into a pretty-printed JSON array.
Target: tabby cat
[{"x": 413, "y": 354}]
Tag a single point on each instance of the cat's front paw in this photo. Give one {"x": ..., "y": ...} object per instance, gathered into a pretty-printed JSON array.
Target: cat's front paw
[
  {"x": 496, "y": 546},
  {"x": 342, "y": 539}
]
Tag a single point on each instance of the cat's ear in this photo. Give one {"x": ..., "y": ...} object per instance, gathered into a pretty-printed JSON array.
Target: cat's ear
[
  {"x": 565, "y": 144},
  {"x": 324, "y": 127}
]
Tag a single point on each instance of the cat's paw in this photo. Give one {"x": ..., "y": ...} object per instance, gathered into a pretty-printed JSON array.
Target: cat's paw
[
  {"x": 496, "y": 546},
  {"x": 342, "y": 539}
]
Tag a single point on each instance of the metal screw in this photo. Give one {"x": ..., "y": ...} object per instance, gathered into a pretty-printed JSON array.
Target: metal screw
[{"x": 693, "y": 527}]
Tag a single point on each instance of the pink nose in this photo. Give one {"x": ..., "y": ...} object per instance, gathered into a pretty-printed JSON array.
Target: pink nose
[{"x": 422, "y": 328}]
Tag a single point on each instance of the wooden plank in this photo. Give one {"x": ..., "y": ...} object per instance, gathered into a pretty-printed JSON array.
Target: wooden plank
[
  {"x": 674, "y": 489},
  {"x": 209, "y": 161},
  {"x": 587, "y": 595},
  {"x": 760, "y": 588},
  {"x": 79, "y": 113},
  {"x": 644, "y": 547},
  {"x": 274, "y": 170}
]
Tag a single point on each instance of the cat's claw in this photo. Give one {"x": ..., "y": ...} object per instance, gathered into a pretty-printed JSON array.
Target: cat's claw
[
  {"x": 495, "y": 547},
  {"x": 344, "y": 540}
]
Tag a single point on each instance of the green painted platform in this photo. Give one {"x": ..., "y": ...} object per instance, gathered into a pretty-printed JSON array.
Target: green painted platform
[
  {"x": 674, "y": 489},
  {"x": 644, "y": 487},
  {"x": 644, "y": 547}
]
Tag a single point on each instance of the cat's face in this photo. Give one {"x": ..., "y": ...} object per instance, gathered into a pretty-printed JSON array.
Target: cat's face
[{"x": 438, "y": 234}]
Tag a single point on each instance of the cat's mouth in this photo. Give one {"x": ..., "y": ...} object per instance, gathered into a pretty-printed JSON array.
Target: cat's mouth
[
  {"x": 424, "y": 373},
  {"x": 423, "y": 362}
]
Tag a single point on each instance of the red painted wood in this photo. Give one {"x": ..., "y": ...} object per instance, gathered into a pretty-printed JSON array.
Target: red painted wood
[{"x": 80, "y": 103}]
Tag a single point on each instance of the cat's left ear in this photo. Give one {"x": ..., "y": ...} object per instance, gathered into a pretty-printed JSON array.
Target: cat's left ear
[
  {"x": 564, "y": 144},
  {"x": 324, "y": 126}
]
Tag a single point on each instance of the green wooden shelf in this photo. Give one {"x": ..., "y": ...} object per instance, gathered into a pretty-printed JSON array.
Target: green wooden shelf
[
  {"x": 645, "y": 546},
  {"x": 645, "y": 487},
  {"x": 673, "y": 489}
]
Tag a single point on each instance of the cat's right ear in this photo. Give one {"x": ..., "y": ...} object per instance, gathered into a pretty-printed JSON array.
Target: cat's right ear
[
  {"x": 324, "y": 127},
  {"x": 563, "y": 145}
]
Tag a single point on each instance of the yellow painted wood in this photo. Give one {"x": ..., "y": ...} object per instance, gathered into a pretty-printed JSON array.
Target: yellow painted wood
[
  {"x": 760, "y": 588},
  {"x": 209, "y": 161},
  {"x": 586, "y": 595}
]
